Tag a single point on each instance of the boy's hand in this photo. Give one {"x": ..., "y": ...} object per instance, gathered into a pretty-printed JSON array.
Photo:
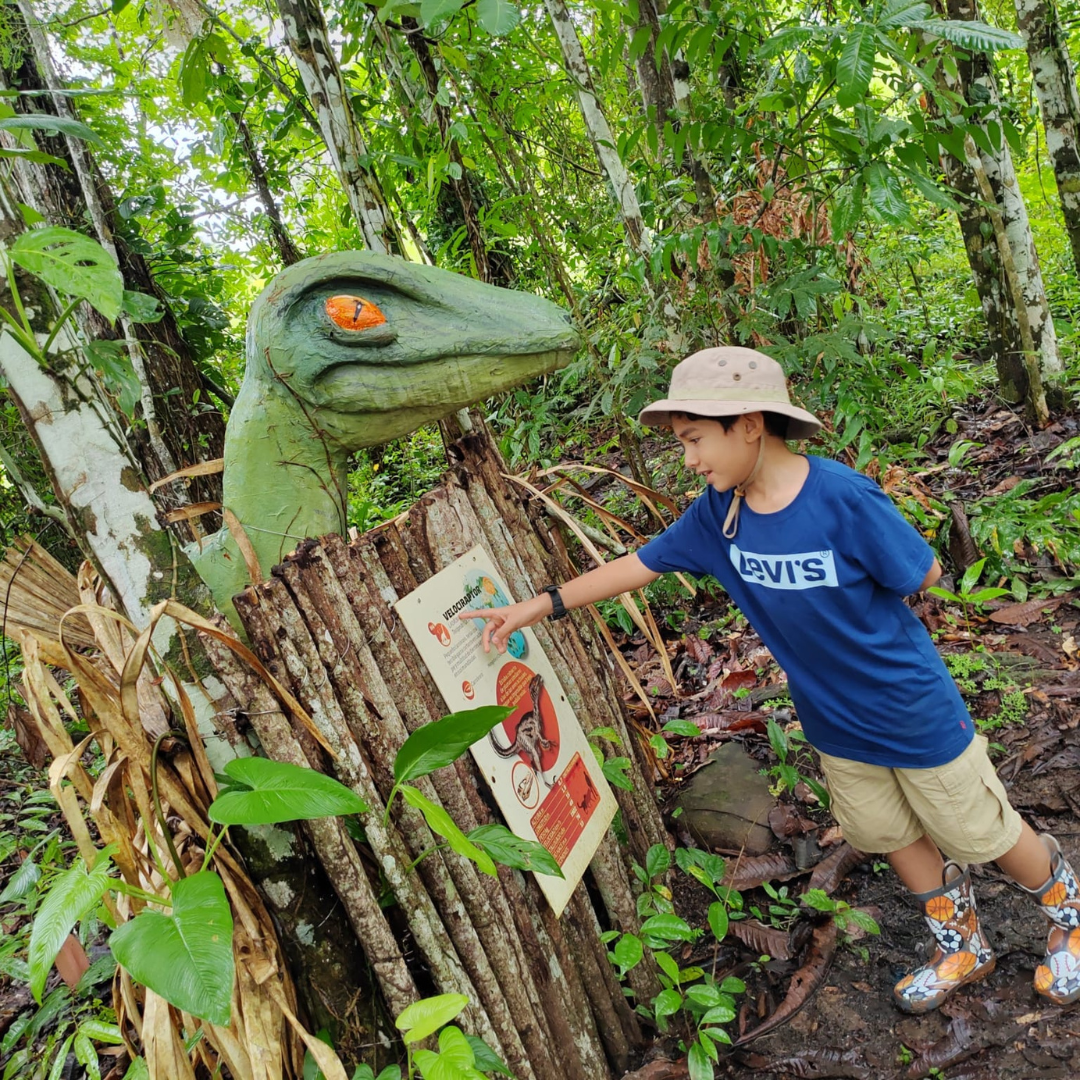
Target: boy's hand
[{"x": 501, "y": 622}]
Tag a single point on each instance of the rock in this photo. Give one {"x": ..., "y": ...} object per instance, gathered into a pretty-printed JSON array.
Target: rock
[{"x": 726, "y": 803}]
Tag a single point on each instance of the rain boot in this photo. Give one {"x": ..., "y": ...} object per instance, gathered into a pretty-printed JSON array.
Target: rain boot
[
  {"x": 962, "y": 955},
  {"x": 1058, "y": 976}
]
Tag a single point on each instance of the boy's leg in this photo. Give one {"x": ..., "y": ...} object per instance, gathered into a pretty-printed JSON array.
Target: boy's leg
[
  {"x": 1027, "y": 862},
  {"x": 920, "y": 865}
]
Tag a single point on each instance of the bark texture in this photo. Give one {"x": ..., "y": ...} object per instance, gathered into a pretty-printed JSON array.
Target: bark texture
[
  {"x": 542, "y": 990},
  {"x": 978, "y": 87},
  {"x": 176, "y": 432},
  {"x": 1055, "y": 83},
  {"x": 309, "y": 40}
]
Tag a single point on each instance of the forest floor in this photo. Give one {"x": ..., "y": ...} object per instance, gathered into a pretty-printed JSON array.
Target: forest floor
[{"x": 831, "y": 1001}]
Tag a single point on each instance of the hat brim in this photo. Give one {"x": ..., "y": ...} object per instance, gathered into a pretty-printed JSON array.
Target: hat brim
[{"x": 802, "y": 424}]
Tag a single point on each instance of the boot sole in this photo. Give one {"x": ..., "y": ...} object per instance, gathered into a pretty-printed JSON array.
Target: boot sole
[{"x": 921, "y": 1007}]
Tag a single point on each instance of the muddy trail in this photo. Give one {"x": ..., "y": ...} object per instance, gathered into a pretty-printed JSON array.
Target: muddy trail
[{"x": 821, "y": 1005}]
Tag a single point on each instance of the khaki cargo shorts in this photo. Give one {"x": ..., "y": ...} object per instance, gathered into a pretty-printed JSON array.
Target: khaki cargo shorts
[{"x": 961, "y": 806}]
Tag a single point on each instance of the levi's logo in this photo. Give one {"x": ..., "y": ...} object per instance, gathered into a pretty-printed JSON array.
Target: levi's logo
[{"x": 800, "y": 570}]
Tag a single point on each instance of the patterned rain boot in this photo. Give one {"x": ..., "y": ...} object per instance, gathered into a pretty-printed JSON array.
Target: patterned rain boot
[
  {"x": 962, "y": 955},
  {"x": 1058, "y": 976}
]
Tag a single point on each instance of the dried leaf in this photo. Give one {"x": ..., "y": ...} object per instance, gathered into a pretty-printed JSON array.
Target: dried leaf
[
  {"x": 204, "y": 468},
  {"x": 803, "y": 983},
  {"x": 192, "y": 510},
  {"x": 813, "y": 1065},
  {"x": 831, "y": 871},
  {"x": 762, "y": 939},
  {"x": 749, "y": 873},
  {"x": 1023, "y": 614}
]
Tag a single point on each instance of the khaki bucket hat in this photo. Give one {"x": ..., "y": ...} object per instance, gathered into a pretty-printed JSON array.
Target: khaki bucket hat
[{"x": 729, "y": 381}]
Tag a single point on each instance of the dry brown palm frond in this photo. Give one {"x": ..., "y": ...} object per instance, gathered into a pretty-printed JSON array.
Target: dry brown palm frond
[
  {"x": 264, "y": 1040},
  {"x": 36, "y": 591}
]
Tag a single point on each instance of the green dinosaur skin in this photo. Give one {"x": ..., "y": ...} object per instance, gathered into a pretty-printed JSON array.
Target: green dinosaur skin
[{"x": 313, "y": 393}]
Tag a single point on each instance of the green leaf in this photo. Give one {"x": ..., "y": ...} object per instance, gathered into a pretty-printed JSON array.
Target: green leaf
[
  {"x": 668, "y": 967},
  {"x": 670, "y": 927},
  {"x": 194, "y": 73},
  {"x": 22, "y": 882},
  {"x": 886, "y": 194},
  {"x": 902, "y": 13},
  {"x": 697, "y": 1061},
  {"x": 976, "y": 36},
  {"x": 438, "y": 744},
  {"x": 60, "y": 1060},
  {"x": 72, "y": 894},
  {"x": 46, "y": 122},
  {"x": 102, "y": 1032},
  {"x": 497, "y": 17},
  {"x": 784, "y": 40},
  {"x": 719, "y": 1014},
  {"x": 425, "y": 1017},
  {"x": 608, "y": 733},
  {"x": 628, "y": 952},
  {"x": 777, "y": 739},
  {"x": 657, "y": 860},
  {"x": 278, "y": 791},
  {"x": 141, "y": 308},
  {"x": 86, "y": 1055},
  {"x": 615, "y": 770},
  {"x": 137, "y": 1070},
  {"x": 682, "y": 727},
  {"x": 439, "y": 821},
  {"x": 732, "y": 985},
  {"x": 486, "y": 1060},
  {"x": 111, "y": 360},
  {"x": 186, "y": 957},
  {"x": 855, "y": 68},
  {"x": 718, "y": 920},
  {"x": 72, "y": 264},
  {"x": 667, "y": 1003},
  {"x": 503, "y": 846},
  {"x": 431, "y": 11}
]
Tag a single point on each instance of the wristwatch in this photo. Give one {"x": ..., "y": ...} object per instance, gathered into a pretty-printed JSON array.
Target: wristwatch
[{"x": 558, "y": 610}]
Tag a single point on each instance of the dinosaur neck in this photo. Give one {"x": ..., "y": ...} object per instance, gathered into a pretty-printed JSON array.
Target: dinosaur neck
[{"x": 285, "y": 471}]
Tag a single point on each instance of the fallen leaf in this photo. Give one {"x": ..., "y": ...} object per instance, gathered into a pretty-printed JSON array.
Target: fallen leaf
[{"x": 1023, "y": 614}]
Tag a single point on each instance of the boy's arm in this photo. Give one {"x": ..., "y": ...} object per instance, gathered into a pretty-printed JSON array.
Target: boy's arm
[
  {"x": 932, "y": 575},
  {"x": 618, "y": 576}
]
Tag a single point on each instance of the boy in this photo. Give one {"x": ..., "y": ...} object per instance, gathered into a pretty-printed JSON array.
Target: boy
[{"x": 819, "y": 560}]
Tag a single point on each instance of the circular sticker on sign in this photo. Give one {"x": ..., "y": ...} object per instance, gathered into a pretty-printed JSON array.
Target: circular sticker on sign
[{"x": 468, "y": 690}]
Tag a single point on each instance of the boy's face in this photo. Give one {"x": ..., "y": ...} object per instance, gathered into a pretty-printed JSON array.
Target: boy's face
[{"x": 724, "y": 458}]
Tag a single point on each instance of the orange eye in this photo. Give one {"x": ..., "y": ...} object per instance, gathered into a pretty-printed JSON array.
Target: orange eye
[{"x": 354, "y": 313}]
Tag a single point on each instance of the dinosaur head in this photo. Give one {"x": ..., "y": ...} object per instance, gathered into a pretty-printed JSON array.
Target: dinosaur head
[{"x": 378, "y": 346}]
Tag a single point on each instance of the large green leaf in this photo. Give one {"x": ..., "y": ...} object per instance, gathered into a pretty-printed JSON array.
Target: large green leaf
[
  {"x": 440, "y": 822},
  {"x": 112, "y": 361},
  {"x": 855, "y": 68},
  {"x": 444, "y": 741},
  {"x": 497, "y": 17},
  {"x": 902, "y": 13},
  {"x": 454, "y": 1061},
  {"x": 431, "y": 11},
  {"x": 976, "y": 36},
  {"x": 425, "y": 1017},
  {"x": 886, "y": 195},
  {"x": 72, "y": 894},
  {"x": 277, "y": 791},
  {"x": 22, "y": 882},
  {"x": 74, "y": 265},
  {"x": 698, "y": 1064},
  {"x": 45, "y": 122},
  {"x": 187, "y": 956},
  {"x": 511, "y": 850}
]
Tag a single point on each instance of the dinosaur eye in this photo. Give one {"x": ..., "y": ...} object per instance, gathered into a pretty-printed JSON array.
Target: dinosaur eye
[{"x": 354, "y": 313}]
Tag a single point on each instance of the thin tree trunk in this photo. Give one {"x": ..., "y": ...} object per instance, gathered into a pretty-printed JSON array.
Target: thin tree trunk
[
  {"x": 1055, "y": 83},
  {"x": 977, "y": 83},
  {"x": 177, "y": 431},
  {"x": 462, "y": 186},
  {"x": 599, "y": 132},
  {"x": 309, "y": 40}
]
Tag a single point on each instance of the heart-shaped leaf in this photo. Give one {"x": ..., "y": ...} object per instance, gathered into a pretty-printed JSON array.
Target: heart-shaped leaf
[
  {"x": 71, "y": 895},
  {"x": 74, "y": 265},
  {"x": 187, "y": 956},
  {"x": 444, "y": 741},
  {"x": 425, "y": 1017},
  {"x": 277, "y": 791},
  {"x": 497, "y": 17}
]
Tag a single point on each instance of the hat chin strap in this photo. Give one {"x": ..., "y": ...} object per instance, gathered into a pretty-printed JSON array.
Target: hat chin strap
[{"x": 731, "y": 522}]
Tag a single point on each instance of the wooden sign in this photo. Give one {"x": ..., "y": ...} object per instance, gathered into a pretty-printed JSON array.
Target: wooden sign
[{"x": 539, "y": 764}]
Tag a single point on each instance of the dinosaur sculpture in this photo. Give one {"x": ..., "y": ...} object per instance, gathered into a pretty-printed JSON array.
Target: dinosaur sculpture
[{"x": 349, "y": 350}]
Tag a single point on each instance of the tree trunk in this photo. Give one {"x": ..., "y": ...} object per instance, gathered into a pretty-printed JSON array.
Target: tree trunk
[
  {"x": 177, "y": 431},
  {"x": 542, "y": 990},
  {"x": 596, "y": 125},
  {"x": 309, "y": 40},
  {"x": 462, "y": 186},
  {"x": 1055, "y": 83},
  {"x": 977, "y": 85}
]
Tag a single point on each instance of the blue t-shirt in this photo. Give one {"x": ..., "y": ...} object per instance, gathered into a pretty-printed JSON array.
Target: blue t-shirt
[{"x": 822, "y": 581}]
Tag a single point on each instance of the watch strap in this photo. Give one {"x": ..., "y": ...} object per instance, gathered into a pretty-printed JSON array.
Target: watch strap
[{"x": 558, "y": 609}]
